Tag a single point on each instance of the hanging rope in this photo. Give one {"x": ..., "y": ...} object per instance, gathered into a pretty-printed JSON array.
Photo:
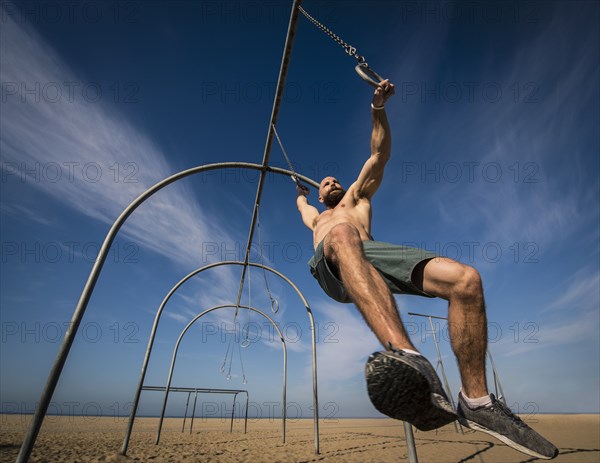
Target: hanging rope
[
  {"x": 274, "y": 302},
  {"x": 362, "y": 68},
  {"x": 246, "y": 342},
  {"x": 225, "y": 359},
  {"x": 244, "y": 380},
  {"x": 294, "y": 175}
]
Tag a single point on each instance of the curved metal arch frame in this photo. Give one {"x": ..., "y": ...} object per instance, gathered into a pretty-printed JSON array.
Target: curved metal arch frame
[
  {"x": 86, "y": 294},
  {"x": 176, "y": 349},
  {"x": 158, "y": 316}
]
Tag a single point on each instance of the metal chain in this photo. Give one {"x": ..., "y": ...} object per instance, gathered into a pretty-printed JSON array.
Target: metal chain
[{"x": 347, "y": 47}]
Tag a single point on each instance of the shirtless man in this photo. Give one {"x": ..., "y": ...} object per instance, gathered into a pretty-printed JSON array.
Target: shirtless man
[{"x": 351, "y": 267}]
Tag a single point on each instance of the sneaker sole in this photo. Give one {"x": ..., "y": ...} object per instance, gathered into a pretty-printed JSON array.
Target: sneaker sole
[
  {"x": 401, "y": 392},
  {"x": 502, "y": 438}
]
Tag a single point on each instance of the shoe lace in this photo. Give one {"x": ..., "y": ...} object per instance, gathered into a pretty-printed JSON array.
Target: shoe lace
[{"x": 499, "y": 407}]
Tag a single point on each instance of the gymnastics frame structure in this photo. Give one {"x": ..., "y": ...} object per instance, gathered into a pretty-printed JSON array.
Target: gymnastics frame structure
[
  {"x": 264, "y": 168},
  {"x": 176, "y": 349},
  {"x": 200, "y": 390}
]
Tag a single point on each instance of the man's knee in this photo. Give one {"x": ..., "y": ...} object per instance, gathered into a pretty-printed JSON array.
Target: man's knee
[{"x": 468, "y": 284}]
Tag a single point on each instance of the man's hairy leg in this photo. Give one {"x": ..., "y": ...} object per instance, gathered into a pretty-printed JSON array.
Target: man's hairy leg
[
  {"x": 343, "y": 248},
  {"x": 461, "y": 286}
]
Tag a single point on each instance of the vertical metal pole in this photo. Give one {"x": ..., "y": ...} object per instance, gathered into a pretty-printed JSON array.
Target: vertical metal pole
[
  {"x": 232, "y": 412},
  {"x": 193, "y": 413},
  {"x": 315, "y": 392},
  {"x": 410, "y": 443},
  {"x": 284, "y": 414},
  {"x": 246, "y": 418},
  {"x": 63, "y": 352},
  {"x": 186, "y": 410},
  {"x": 501, "y": 396},
  {"x": 283, "y": 70},
  {"x": 441, "y": 364}
]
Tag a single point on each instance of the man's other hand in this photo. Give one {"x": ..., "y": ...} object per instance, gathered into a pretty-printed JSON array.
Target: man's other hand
[{"x": 302, "y": 190}]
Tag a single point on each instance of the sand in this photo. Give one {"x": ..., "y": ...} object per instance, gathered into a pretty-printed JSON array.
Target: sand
[{"x": 99, "y": 439}]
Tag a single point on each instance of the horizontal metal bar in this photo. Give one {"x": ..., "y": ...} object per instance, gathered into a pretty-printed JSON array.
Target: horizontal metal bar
[
  {"x": 428, "y": 316},
  {"x": 194, "y": 389}
]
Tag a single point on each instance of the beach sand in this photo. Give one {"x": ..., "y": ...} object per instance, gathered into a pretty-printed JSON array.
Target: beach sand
[{"x": 99, "y": 439}]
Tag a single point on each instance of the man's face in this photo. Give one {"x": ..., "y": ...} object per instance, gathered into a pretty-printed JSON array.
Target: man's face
[{"x": 330, "y": 192}]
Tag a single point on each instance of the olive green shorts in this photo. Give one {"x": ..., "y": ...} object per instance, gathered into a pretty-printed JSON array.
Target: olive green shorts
[{"x": 393, "y": 262}]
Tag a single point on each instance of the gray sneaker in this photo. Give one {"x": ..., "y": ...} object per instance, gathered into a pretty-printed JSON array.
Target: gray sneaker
[
  {"x": 405, "y": 387},
  {"x": 497, "y": 420}
]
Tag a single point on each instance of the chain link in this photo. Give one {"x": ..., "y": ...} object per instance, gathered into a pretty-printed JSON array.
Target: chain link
[{"x": 347, "y": 47}]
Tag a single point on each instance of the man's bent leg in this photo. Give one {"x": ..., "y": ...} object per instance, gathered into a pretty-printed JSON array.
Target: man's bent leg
[
  {"x": 461, "y": 286},
  {"x": 401, "y": 385},
  {"x": 343, "y": 249}
]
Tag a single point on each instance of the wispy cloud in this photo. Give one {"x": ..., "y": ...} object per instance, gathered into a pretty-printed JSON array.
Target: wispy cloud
[
  {"x": 18, "y": 211},
  {"x": 581, "y": 294},
  {"x": 86, "y": 154},
  {"x": 571, "y": 319},
  {"x": 179, "y": 317},
  {"x": 582, "y": 328},
  {"x": 541, "y": 133}
]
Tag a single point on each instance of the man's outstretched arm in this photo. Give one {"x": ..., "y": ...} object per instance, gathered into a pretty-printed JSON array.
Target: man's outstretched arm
[
  {"x": 309, "y": 213},
  {"x": 371, "y": 174}
]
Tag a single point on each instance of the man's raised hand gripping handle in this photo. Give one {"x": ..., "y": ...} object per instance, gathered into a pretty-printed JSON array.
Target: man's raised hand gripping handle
[{"x": 383, "y": 92}]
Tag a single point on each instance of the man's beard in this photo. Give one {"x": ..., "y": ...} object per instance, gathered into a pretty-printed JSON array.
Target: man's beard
[{"x": 333, "y": 198}]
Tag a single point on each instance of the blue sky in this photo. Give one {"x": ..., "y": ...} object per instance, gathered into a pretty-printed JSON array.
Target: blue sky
[{"x": 495, "y": 163}]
